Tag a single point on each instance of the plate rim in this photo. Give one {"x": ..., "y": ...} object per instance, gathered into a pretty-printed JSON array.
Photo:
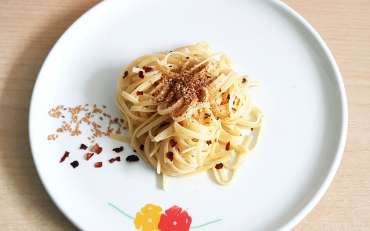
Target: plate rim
[
  {"x": 324, "y": 185},
  {"x": 344, "y": 123}
]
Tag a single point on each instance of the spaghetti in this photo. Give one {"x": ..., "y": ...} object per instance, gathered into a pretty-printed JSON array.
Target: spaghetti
[{"x": 187, "y": 111}]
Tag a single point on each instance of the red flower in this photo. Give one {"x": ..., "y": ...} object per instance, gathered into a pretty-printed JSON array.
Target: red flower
[{"x": 175, "y": 219}]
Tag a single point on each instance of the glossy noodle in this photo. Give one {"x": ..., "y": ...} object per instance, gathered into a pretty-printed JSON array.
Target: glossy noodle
[{"x": 187, "y": 112}]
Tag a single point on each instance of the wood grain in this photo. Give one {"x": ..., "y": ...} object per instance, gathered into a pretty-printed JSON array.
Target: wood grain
[
  {"x": 28, "y": 29},
  {"x": 345, "y": 26}
]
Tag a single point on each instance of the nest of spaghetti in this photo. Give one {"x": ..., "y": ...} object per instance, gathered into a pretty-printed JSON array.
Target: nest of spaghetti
[{"x": 187, "y": 111}]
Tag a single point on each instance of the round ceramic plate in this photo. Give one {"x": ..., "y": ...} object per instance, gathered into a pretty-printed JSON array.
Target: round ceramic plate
[{"x": 301, "y": 94}]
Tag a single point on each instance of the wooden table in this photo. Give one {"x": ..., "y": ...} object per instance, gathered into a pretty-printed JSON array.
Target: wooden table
[{"x": 28, "y": 29}]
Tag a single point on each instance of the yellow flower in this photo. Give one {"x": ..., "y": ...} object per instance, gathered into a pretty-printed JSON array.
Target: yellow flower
[{"x": 148, "y": 218}]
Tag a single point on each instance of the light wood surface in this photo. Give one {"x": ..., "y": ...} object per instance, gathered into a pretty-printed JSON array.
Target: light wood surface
[{"x": 28, "y": 29}]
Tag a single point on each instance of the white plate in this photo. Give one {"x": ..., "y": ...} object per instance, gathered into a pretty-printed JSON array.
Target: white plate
[{"x": 301, "y": 95}]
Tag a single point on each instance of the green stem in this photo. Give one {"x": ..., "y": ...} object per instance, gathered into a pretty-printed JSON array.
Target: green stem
[
  {"x": 120, "y": 211},
  {"x": 205, "y": 224}
]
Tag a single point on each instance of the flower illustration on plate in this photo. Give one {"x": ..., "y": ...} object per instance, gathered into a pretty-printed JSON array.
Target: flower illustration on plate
[
  {"x": 147, "y": 218},
  {"x": 151, "y": 218},
  {"x": 175, "y": 219}
]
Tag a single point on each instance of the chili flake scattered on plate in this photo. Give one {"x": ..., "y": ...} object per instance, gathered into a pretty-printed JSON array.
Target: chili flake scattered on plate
[{"x": 65, "y": 155}]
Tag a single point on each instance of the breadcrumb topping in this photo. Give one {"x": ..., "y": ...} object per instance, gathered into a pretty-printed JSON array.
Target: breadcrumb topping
[{"x": 187, "y": 84}]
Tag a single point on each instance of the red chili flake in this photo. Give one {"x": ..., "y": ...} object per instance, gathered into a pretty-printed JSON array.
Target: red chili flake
[
  {"x": 147, "y": 69},
  {"x": 88, "y": 155},
  {"x": 98, "y": 164},
  {"x": 132, "y": 158},
  {"x": 139, "y": 93},
  {"x": 83, "y": 147},
  {"x": 65, "y": 155},
  {"x": 141, "y": 74},
  {"x": 118, "y": 158},
  {"x": 225, "y": 100},
  {"x": 227, "y": 146},
  {"x": 115, "y": 120},
  {"x": 244, "y": 80},
  {"x": 187, "y": 57},
  {"x": 233, "y": 109},
  {"x": 142, "y": 147},
  {"x": 125, "y": 74},
  {"x": 117, "y": 150},
  {"x": 251, "y": 129},
  {"x": 219, "y": 166},
  {"x": 173, "y": 142},
  {"x": 170, "y": 156},
  {"x": 74, "y": 164},
  {"x": 207, "y": 115},
  {"x": 194, "y": 139},
  {"x": 209, "y": 142},
  {"x": 97, "y": 149}
]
